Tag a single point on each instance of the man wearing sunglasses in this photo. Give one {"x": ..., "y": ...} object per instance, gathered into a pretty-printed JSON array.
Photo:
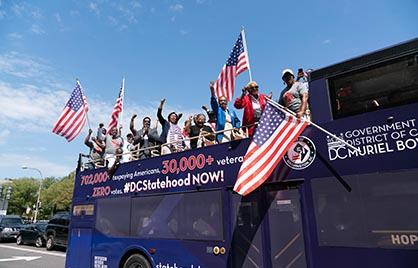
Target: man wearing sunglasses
[{"x": 253, "y": 104}]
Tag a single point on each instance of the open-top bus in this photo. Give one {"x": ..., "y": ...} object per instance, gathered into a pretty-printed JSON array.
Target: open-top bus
[{"x": 324, "y": 206}]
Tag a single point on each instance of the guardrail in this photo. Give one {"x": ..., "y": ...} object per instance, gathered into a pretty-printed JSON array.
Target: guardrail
[{"x": 240, "y": 133}]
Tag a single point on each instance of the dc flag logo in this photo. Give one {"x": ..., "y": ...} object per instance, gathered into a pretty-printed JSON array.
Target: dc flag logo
[{"x": 301, "y": 154}]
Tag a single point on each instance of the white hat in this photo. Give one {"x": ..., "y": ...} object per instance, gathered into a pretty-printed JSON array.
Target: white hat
[{"x": 287, "y": 71}]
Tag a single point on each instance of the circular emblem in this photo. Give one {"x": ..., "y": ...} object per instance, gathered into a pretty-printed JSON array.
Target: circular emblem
[{"x": 301, "y": 154}]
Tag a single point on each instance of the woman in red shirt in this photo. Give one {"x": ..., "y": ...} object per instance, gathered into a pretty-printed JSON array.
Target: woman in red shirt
[{"x": 253, "y": 104}]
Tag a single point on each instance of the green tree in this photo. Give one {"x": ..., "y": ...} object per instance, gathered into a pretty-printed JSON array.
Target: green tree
[
  {"x": 24, "y": 195},
  {"x": 57, "y": 197}
]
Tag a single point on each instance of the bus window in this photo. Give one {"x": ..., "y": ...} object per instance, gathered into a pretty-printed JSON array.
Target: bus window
[
  {"x": 194, "y": 216},
  {"x": 113, "y": 216},
  {"x": 379, "y": 212},
  {"x": 384, "y": 85}
]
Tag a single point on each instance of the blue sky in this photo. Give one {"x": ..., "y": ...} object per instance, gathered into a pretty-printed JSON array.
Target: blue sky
[{"x": 166, "y": 49}]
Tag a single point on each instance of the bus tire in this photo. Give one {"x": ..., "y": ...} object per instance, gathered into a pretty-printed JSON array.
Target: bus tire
[
  {"x": 50, "y": 242},
  {"x": 136, "y": 261}
]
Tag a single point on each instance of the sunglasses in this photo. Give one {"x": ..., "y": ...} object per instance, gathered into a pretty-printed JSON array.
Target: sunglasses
[{"x": 256, "y": 87}]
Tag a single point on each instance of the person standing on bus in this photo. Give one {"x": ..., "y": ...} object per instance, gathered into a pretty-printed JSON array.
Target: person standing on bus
[
  {"x": 201, "y": 130},
  {"x": 145, "y": 137},
  {"x": 97, "y": 150},
  {"x": 253, "y": 104},
  {"x": 171, "y": 133},
  {"x": 295, "y": 95},
  {"x": 101, "y": 132},
  {"x": 211, "y": 118},
  {"x": 226, "y": 119},
  {"x": 114, "y": 144}
]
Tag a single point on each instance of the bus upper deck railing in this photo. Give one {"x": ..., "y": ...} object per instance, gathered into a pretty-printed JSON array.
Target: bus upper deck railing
[{"x": 156, "y": 150}]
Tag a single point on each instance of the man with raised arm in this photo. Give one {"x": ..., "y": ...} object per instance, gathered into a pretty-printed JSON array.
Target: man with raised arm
[
  {"x": 97, "y": 149},
  {"x": 226, "y": 119}
]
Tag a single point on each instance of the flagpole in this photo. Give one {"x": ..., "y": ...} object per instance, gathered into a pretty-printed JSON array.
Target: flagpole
[
  {"x": 123, "y": 99},
  {"x": 285, "y": 110},
  {"x": 84, "y": 104},
  {"x": 244, "y": 42}
]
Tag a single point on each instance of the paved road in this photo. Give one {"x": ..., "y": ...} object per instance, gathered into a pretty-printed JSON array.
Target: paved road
[{"x": 14, "y": 256}]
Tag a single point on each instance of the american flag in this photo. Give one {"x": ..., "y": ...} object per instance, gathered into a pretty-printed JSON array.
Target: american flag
[
  {"x": 118, "y": 108},
  {"x": 236, "y": 64},
  {"x": 73, "y": 117},
  {"x": 274, "y": 136}
]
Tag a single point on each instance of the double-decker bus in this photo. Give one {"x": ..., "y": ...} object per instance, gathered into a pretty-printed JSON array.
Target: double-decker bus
[{"x": 324, "y": 206}]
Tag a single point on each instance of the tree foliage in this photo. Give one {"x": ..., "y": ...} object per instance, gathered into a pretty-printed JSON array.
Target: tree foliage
[
  {"x": 56, "y": 195},
  {"x": 24, "y": 195}
]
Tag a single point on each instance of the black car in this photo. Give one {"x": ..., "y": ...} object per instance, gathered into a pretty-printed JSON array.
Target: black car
[
  {"x": 32, "y": 234},
  {"x": 10, "y": 226},
  {"x": 56, "y": 231}
]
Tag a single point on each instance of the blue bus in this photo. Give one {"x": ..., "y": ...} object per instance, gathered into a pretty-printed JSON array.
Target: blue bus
[{"x": 324, "y": 206}]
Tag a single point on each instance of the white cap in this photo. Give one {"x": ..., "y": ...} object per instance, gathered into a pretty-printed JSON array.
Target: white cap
[{"x": 287, "y": 71}]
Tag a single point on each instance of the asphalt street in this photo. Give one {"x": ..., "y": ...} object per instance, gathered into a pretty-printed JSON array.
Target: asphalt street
[{"x": 14, "y": 256}]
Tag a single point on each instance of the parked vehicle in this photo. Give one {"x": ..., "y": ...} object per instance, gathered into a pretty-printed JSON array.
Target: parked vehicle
[
  {"x": 10, "y": 226},
  {"x": 56, "y": 231},
  {"x": 32, "y": 234}
]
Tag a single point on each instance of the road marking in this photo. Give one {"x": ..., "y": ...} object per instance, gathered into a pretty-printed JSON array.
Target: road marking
[
  {"x": 36, "y": 251},
  {"x": 21, "y": 258}
]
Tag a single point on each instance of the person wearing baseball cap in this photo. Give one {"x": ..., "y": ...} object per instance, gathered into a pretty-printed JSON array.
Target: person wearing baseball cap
[{"x": 295, "y": 95}]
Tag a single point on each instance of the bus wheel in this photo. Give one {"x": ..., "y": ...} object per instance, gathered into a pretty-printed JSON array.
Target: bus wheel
[
  {"x": 136, "y": 261},
  {"x": 50, "y": 243}
]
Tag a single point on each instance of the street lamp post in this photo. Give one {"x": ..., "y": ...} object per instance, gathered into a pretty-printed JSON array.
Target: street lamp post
[{"x": 39, "y": 191}]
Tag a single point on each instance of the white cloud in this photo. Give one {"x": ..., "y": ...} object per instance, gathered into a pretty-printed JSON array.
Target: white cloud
[
  {"x": 35, "y": 109},
  {"x": 36, "y": 29},
  {"x": 18, "y": 9},
  {"x": 183, "y": 32},
  {"x": 16, "y": 161},
  {"x": 113, "y": 21},
  {"x": 94, "y": 8},
  {"x": 3, "y": 135},
  {"x": 326, "y": 42},
  {"x": 36, "y": 14},
  {"x": 74, "y": 13},
  {"x": 22, "y": 66},
  {"x": 200, "y": 1},
  {"x": 177, "y": 7},
  {"x": 29, "y": 108},
  {"x": 127, "y": 14},
  {"x": 14, "y": 36},
  {"x": 136, "y": 4},
  {"x": 58, "y": 17}
]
